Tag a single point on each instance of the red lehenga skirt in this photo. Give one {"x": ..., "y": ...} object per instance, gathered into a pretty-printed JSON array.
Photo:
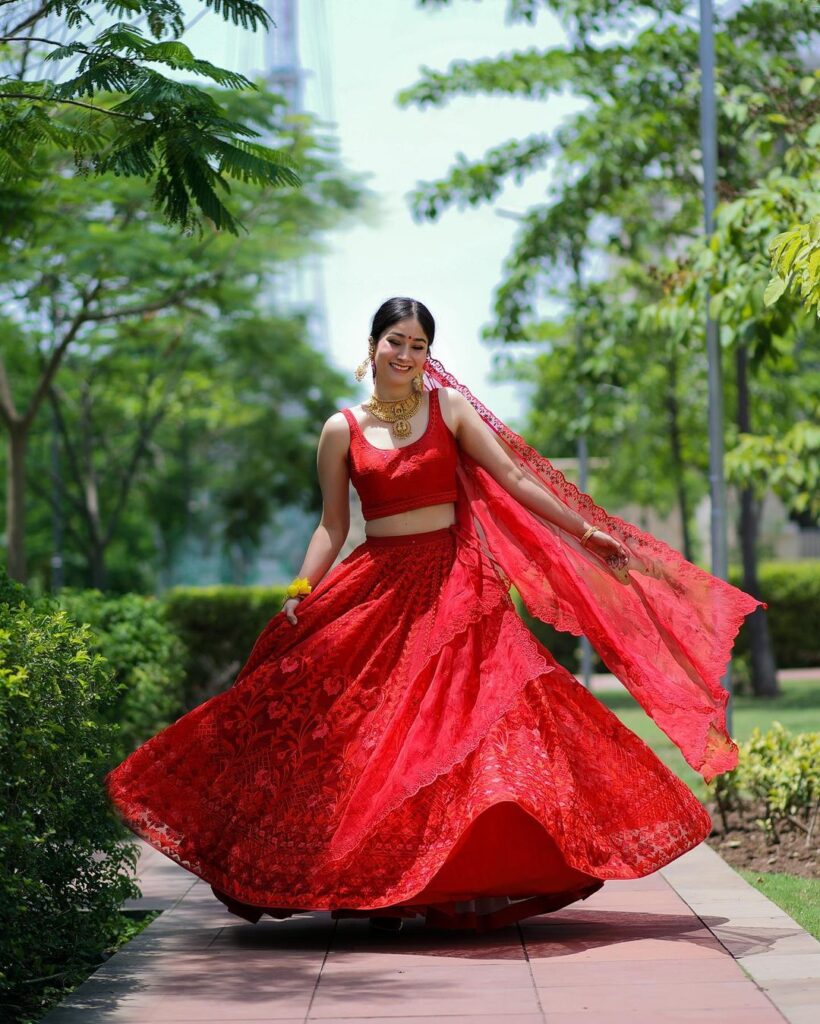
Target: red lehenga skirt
[{"x": 409, "y": 748}]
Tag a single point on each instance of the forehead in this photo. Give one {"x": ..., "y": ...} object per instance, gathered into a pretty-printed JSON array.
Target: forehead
[{"x": 410, "y": 329}]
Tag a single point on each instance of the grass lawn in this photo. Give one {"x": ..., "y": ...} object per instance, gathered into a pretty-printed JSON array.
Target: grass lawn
[
  {"x": 798, "y": 709},
  {"x": 799, "y": 897}
]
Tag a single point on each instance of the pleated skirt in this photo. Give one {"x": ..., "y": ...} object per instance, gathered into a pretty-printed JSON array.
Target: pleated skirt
[{"x": 408, "y": 748}]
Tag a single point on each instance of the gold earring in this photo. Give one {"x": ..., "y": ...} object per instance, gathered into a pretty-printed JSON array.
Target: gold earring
[
  {"x": 418, "y": 382},
  {"x": 361, "y": 369}
]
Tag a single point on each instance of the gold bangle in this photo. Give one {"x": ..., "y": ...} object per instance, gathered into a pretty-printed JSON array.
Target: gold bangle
[{"x": 587, "y": 534}]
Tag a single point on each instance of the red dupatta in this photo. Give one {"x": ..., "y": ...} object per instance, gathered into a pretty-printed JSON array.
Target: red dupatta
[{"x": 662, "y": 625}]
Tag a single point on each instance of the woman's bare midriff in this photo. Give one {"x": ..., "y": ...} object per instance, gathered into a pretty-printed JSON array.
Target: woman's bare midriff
[{"x": 417, "y": 520}]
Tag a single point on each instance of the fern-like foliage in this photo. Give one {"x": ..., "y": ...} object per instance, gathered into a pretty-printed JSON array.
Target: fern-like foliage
[{"x": 118, "y": 111}]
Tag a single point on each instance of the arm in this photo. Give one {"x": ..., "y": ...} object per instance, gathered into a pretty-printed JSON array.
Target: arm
[
  {"x": 330, "y": 534},
  {"x": 479, "y": 441}
]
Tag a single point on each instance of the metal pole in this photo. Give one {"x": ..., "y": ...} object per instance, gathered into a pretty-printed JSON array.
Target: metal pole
[
  {"x": 583, "y": 462},
  {"x": 717, "y": 487},
  {"x": 586, "y": 646}
]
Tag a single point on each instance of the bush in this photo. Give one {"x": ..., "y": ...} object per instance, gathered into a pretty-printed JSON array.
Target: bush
[
  {"x": 778, "y": 776},
  {"x": 61, "y": 849},
  {"x": 792, "y": 590},
  {"x": 146, "y": 656},
  {"x": 219, "y": 626}
]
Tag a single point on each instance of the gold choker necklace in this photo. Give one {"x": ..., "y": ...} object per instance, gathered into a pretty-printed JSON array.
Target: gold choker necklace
[{"x": 397, "y": 414}]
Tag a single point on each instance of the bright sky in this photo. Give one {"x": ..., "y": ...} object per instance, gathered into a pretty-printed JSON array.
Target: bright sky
[{"x": 360, "y": 55}]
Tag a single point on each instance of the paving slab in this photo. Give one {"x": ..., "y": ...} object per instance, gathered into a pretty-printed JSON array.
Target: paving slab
[
  {"x": 686, "y": 944},
  {"x": 772, "y": 949}
]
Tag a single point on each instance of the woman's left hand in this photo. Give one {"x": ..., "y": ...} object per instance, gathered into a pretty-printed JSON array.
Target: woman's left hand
[{"x": 612, "y": 551}]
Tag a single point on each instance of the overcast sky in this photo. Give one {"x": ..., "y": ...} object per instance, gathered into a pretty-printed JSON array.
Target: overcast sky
[{"x": 359, "y": 55}]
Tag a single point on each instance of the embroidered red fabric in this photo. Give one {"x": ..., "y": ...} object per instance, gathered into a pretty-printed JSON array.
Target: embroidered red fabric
[
  {"x": 410, "y": 747},
  {"x": 664, "y": 626},
  {"x": 413, "y": 475}
]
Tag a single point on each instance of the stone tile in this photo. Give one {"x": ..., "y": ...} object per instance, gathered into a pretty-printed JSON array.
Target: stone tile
[
  {"x": 438, "y": 996},
  {"x": 787, "y": 994},
  {"x": 170, "y": 939},
  {"x": 416, "y": 939},
  {"x": 558, "y": 972},
  {"x": 104, "y": 999},
  {"x": 412, "y": 975},
  {"x": 736, "y": 908},
  {"x": 764, "y": 967},
  {"x": 671, "y": 1016},
  {"x": 648, "y": 882},
  {"x": 237, "y": 993},
  {"x": 145, "y": 965},
  {"x": 726, "y": 995},
  {"x": 652, "y": 901},
  {"x": 632, "y": 949},
  {"x": 802, "y": 1015},
  {"x": 743, "y": 940},
  {"x": 303, "y": 934},
  {"x": 472, "y": 1018}
]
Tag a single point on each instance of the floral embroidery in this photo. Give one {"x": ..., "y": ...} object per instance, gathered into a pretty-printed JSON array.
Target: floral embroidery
[{"x": 349, "y": 756}]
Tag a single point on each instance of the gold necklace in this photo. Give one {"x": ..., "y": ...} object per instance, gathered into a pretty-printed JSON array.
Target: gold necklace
[{"x": 397, "y": 414}]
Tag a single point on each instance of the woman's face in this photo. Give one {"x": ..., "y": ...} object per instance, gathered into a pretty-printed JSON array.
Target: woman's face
[{"x": 401, "y": 351}]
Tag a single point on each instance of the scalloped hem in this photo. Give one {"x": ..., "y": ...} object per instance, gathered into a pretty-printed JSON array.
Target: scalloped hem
[{"x": 504, "y": 868}]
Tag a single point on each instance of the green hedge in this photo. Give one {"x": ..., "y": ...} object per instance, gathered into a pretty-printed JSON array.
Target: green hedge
[
  {"x": 218, "y": 625},
  {"x": 792, "y": 590},
  {"x": 62, "y": 857},
  {"x": 146, "y": 656}
]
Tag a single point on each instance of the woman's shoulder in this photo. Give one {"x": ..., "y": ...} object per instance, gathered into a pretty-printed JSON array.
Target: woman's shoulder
[
  {"x": 337, "y": 426},
  {"x": 448, "y": 403}
]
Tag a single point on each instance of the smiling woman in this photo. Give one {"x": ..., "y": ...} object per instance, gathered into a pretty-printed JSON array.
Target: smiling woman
[{"x": 397, "y": 742}]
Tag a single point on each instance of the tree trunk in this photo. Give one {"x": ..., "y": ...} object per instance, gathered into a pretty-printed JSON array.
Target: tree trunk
[
  {"x": 97, "y": 566},
  {"x": 764, "y": 667},
  {"x": 16, "y": 501}
]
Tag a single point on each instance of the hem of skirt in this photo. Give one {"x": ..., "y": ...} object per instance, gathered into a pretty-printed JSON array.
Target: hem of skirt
[{"x": 435, "y": 915}]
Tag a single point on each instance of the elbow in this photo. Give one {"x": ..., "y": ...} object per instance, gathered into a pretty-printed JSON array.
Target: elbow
[{"x": 337, "y": 529}]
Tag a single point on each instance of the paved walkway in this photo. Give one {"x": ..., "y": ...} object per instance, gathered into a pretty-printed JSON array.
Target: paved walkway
[{"x": 692, "y": 943}]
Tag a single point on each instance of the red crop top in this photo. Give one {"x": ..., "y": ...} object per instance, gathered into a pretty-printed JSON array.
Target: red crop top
[{"x": 391, "y": 480}]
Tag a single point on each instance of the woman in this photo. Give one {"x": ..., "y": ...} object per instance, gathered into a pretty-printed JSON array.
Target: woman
[{"x": 398, "y": 743}]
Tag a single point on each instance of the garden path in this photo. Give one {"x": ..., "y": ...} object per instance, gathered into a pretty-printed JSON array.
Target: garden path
[{"x": 691, "y": 943}]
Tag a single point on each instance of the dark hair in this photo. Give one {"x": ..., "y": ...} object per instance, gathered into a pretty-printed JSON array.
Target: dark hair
[{"x": 401, "y": 308}]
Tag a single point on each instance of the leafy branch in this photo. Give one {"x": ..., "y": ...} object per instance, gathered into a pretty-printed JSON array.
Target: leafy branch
[{"x": 120, "y": 113}]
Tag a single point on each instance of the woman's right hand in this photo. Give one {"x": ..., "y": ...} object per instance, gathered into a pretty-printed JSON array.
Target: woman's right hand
[{"x": 288, "y": 608}]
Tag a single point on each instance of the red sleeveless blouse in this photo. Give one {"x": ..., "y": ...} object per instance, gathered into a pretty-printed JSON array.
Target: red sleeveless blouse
[{"x": 391, "y": 480}]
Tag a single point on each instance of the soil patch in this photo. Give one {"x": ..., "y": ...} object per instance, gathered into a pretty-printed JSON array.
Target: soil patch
[{"x": 746, "y": 845}]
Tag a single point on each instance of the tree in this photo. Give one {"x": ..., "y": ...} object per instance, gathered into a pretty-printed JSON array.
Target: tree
[
  {"x": 95, "y": 278},
  {"x": 107, "y": 103},
  {"x": 626, "y": 181}
]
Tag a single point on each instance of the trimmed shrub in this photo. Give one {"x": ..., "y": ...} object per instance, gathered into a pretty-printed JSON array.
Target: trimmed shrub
[
  {"x": 792, "y": 590},
  {"x": 778, "y": 778},
  {"x": 142, "y": 650},
  {"x": 219, "y": 626},
  {"x": 62, "y": 853}
]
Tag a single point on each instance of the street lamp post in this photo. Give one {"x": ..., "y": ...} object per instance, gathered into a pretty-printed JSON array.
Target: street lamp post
[{"x": 717, "y": 488}]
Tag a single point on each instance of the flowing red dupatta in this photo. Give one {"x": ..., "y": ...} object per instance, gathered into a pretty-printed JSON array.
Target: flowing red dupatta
[{"x": 662, "y": 625}]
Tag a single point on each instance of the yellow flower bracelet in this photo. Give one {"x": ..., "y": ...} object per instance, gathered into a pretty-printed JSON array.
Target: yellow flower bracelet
[{"x": 299, "y": 587}]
